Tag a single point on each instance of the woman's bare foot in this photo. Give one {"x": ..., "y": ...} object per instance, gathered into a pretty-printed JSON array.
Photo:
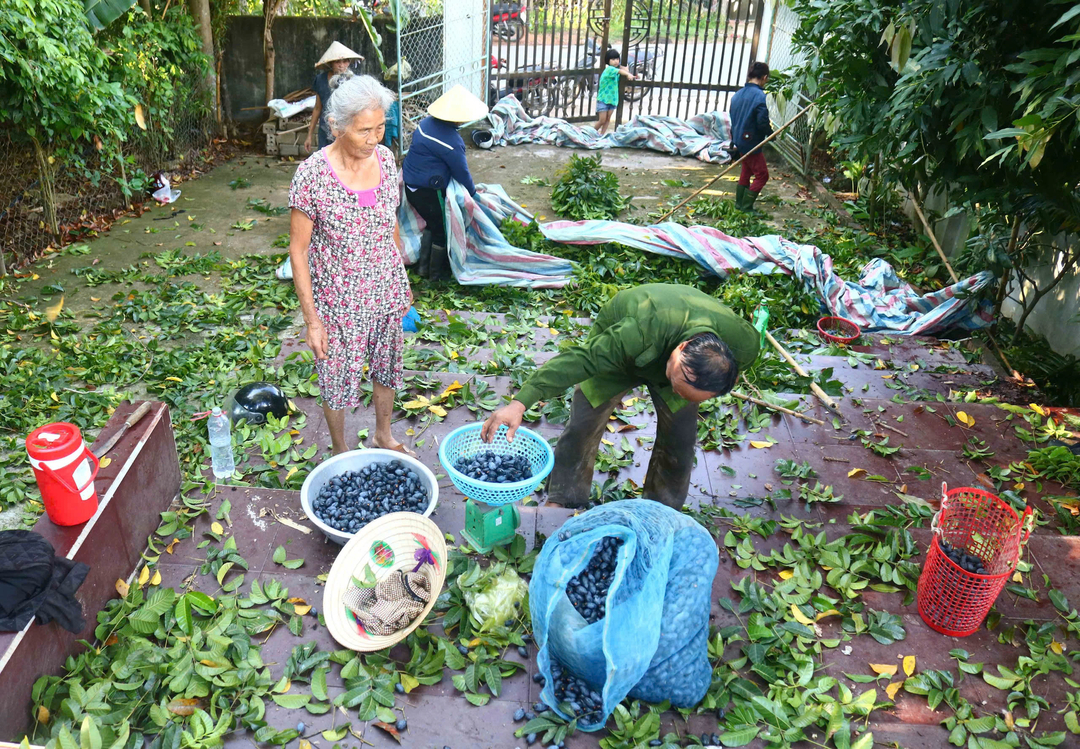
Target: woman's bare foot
[{"x": 393, "y": 444}]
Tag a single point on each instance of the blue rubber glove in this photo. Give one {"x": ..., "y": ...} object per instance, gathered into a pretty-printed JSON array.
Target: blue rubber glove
[{"x": 411, "y": 322}]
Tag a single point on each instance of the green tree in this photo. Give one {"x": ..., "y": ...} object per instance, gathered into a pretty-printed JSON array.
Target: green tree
[
  {"x": 932, "y": 91},
  {"x": 54, "y": 84}
]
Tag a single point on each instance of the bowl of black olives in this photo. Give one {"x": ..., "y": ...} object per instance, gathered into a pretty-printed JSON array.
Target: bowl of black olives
[{"x": 345, "y": 493}]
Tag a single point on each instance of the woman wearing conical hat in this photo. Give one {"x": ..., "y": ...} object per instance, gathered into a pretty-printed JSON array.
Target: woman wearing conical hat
[
  {"x": 333, "y": 70},
  {"x": 436, "y": 156}
]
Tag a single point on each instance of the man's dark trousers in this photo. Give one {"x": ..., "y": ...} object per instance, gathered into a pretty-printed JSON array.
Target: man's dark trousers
[{"x": 668, "y": 478}]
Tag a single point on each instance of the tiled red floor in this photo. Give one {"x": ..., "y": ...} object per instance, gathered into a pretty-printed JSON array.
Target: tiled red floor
[{"x": 741, "y": 480}]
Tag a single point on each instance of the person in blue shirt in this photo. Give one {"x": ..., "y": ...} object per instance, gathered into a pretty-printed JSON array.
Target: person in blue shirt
[
  {"x": 749, "y": 127},
  {"x": 607, "y": 92},
  {"x": 437, "y": 155}
]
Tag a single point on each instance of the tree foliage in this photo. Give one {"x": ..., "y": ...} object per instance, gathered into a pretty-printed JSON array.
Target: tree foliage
[
  {"x": 101, "y": 13},
  {"x": 981, "y": 99},
  {"x": 931, "y": 85},
  {"x": 78, "y": 98},
  {"x": 54, "y": 82}
]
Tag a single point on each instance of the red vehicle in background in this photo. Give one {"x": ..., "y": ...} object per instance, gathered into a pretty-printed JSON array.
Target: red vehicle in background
[
  {"x": 537, "y": 88},
  {"x": 508, "y": 21}
]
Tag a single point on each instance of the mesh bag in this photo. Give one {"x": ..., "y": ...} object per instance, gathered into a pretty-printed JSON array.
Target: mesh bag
[
  {"x": 952, "y": 600},
  {"x": 652, "y": 641},
  {"x": 391, "y": 605}
]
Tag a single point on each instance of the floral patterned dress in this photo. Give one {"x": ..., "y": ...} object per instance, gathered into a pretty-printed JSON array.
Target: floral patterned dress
[{"x": 358, "y": 279}]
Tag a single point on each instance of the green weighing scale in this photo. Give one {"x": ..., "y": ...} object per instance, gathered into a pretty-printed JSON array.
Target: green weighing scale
[{"x": 491, "y": 513}]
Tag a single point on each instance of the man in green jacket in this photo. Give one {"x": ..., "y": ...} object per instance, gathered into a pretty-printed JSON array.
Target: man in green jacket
[{"x": 681, "y": 343}]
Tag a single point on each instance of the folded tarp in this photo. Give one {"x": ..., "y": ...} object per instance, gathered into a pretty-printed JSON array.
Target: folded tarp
[
  {"x": 704, "y": 137},
  {"x": 479, "y": 253}
]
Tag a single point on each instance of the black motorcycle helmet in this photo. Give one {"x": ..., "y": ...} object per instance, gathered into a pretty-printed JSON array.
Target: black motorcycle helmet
[
  {"x": 483, "y": 139},
  {"x": 254, "y": 401}
]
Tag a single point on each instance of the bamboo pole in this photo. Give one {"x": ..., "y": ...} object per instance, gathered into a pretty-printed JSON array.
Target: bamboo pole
[
  {"x": 822, "y": 396},
  {"x": 774, "y": 407},
  {"x": 933, "y": 238},
  {"x": 734, "y": 164},
  {"x": 952, "y": 273}
]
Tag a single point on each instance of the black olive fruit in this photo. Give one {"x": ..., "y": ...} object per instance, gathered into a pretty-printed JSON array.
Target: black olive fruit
[
  {"x": 353, "y": 499},
  {"x": 582, "y": 700},
  {"x": 494, "y": 468},
  {"x": 967, "y": 562},
  {"x": 588, "y": 589}
]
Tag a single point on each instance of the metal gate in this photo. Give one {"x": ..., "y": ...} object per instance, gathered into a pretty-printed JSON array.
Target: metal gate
[
  {"x": 440, "y": 44},
  {"x": 690, "y": 54}
]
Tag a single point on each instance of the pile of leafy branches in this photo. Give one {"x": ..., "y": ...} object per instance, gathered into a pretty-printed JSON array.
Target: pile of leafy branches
[
  {"x": 585, "y": 190},
  {"x": 171, "y": 668}
]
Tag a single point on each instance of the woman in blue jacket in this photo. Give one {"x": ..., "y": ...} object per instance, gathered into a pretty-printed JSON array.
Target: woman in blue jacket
[{"x": 437, "y": 155}]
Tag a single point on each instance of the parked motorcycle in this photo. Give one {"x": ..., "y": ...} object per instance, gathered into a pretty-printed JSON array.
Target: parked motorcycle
[
  {"x": 508, "y": 21},
  {"x": 642, "y": 63},
  {"x": 537, "y": 89}
]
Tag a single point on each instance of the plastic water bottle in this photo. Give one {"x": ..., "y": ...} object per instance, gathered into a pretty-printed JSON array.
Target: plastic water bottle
[{"x": 221, "y": 452}]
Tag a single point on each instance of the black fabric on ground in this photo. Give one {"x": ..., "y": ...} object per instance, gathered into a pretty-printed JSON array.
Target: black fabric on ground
[{"x": 35, "y": 582}]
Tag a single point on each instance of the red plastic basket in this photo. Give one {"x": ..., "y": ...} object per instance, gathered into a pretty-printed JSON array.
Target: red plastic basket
[
  {"x": 952, "y": 600},
  {"x": 838, "y": 330}
]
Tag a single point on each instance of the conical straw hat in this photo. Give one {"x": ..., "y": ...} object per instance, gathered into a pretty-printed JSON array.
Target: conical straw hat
[
  {"x": 397, "y": 541},
  {"x": 337, "y": 51},
  {"x": 458, "y": 105}
]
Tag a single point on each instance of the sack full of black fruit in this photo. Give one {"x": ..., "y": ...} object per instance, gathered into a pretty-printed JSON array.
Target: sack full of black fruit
[
  {"x": 620, "y": 600},
  {"x": 977, "y": 541}
]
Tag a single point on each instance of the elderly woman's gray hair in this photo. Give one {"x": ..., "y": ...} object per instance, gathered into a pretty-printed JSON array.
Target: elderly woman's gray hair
[{"x": 360, "y": 94}]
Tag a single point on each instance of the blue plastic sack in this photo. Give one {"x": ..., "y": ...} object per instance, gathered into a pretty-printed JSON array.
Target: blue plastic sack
[
  {"x": 652, "y": 643},
  {"x": 411, "y": 322}
]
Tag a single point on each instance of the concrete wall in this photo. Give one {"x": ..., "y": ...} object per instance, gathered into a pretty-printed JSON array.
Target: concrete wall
[
  {"x": 298, "y": 44},
  {"x": 1058, "y": 314},
  {"x": 1055, "y": 317}
]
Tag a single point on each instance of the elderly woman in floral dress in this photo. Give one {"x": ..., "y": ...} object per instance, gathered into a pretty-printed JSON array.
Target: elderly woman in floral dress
[{"x": 347, "y": 265}]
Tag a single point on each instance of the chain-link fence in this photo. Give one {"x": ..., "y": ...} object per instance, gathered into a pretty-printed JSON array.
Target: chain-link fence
[
  {"x": 795, "y": 143},
  {"x": 441, "y": 43},
  {"x": 46, "y": 200}
]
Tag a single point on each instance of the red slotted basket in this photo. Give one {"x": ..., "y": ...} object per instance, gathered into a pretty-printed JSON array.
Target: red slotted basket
[
  {"x": 838, "y": 330},
  {"x": 952, "y": 600}
]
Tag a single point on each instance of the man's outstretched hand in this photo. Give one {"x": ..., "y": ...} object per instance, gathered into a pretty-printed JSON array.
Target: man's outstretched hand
[{"x": 510, "y": 415}]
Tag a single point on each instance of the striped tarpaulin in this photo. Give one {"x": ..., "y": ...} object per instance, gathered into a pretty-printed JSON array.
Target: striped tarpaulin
[
  {"x": 880, "y": 300},
  {"x": 704, "y": 137}
]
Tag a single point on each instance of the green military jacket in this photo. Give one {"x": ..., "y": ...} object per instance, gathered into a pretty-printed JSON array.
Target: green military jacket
[{"x": 632, "y": 339}]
